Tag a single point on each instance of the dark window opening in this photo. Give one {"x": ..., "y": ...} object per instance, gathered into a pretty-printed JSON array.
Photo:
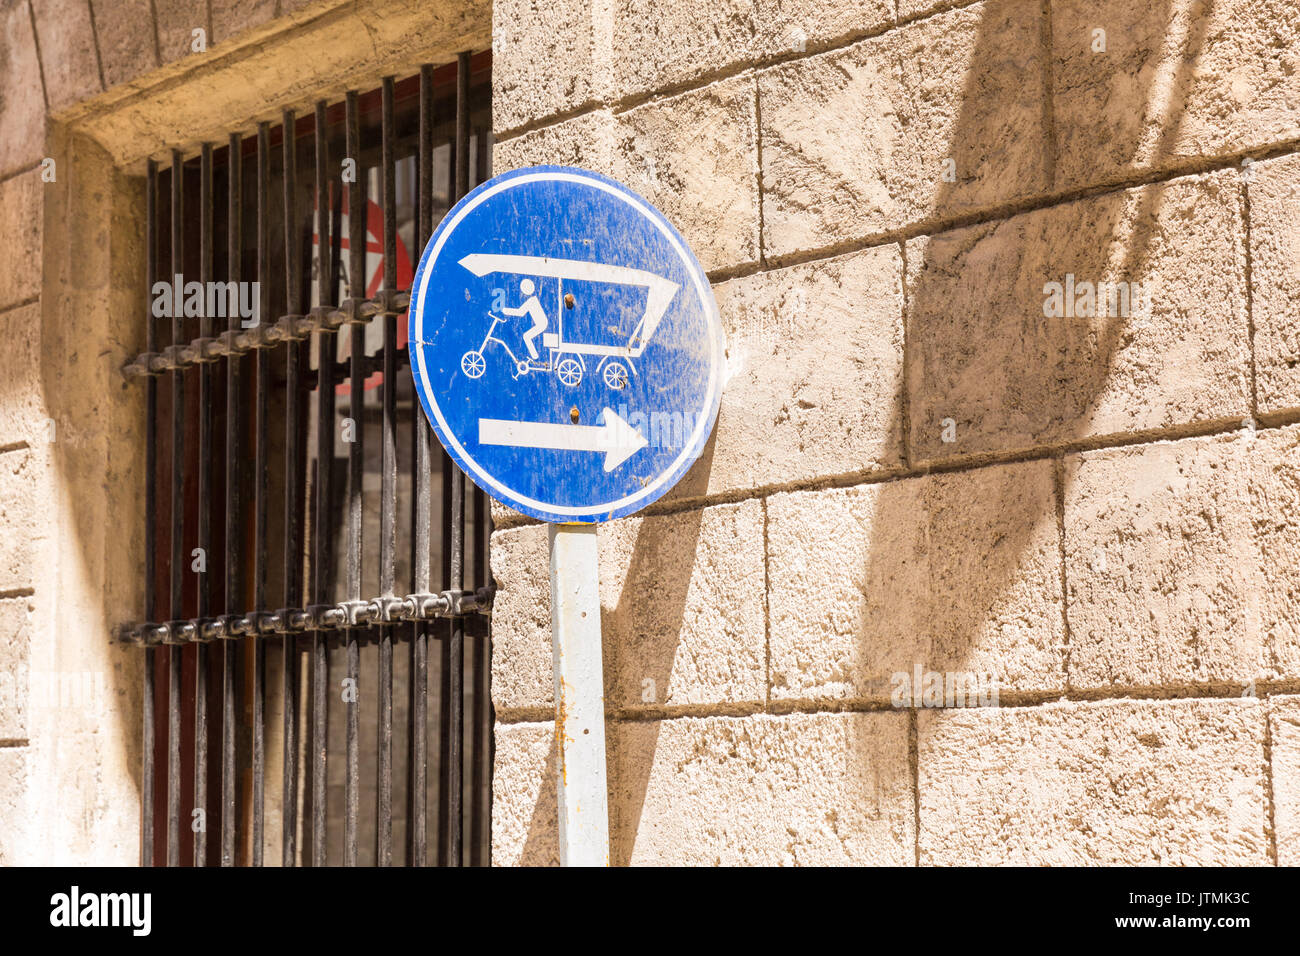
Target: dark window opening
[{"x": 316, "y": 682}]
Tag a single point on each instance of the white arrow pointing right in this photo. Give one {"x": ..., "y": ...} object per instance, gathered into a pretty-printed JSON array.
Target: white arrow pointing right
[{"x": 619, "y": 440}]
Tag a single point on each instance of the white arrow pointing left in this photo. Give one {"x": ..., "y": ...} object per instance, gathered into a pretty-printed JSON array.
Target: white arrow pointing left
[{"x": 619, "y": 440}]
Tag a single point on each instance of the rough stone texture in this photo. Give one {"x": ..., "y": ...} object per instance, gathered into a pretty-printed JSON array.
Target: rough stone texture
[
  {"x": 682, "y": 614},
  {"x": 319, "y": 50},
  {"x": 794, "y": 409},
  {"x": 1162, "y": 571},
  {"x": 710, "y": 192},
  {"x": 20, "y": 523},
  {"x": 911, "y": 9},
  {"x": 177, "y": 19},
  {"x": 982, "y": 353},
  {"x": 552, "y": 59},
  {"x": 1181, "y": 560},
  {"x": 21, "y": 207},
  {"x": 524, "y": 811},
  {"x": 544, "y": 59},
  {"x": 127, "y": 42},
  {"x": 659, "y": 45},
  {"x": 71, "y": 514},
  {"x": 522, "y": 672},
  {"x": 15, "y": 644},
  {"x": 16, "y": 836},
  {"x": 803, "y": 789},
  {"x": 794, "y": 26},
  {"x": 22, "y": 102},
  {"x": 1271, "y": 507},
  {"x": 821, "y": 789},
  {"x": 683, "y": 606},
  {"x": 964, "y": 85},
  {"x": 22, "y": 416},
  {"x": 1275, "y": 271},
  {"x": 232, "y": 17},
  {"x": 1178, "y": 80},
  {"x": 585, "y": 141},
  {"x": 1172, "y": 782},
  {"x": 954, "y": 573},
  {"x": 68, "y": 55},
  {"x": 1284, "y": 740}
]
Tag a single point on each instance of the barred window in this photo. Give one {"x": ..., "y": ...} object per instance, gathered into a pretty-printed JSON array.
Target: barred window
[{"x": 317, "y": 567}]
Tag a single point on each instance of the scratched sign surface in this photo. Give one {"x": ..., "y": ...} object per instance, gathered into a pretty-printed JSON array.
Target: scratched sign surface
[{"x": 565, "y": 345}]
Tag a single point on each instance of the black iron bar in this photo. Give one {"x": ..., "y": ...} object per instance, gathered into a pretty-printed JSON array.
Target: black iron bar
[
  {"x": 356, "y": 464},
  {"x": 481, "y": 674},
  {"x": 234, "y": 529},
  {"x": 448, "y": 468},
  {"x": 325, "y": 349},
  {"x": 148, "y": 780},
  {"x": 481, "y": 668},
  {"x": 457, "y": 559},
  {"x": 264, "y": 385},
  {"x": 200, "y": 825},
  {"x": 292, "y": 501},
  {"x": 388, "y": 490},
  {"x": 422, "y": 513},
  {"x": 175, "y": 654}
]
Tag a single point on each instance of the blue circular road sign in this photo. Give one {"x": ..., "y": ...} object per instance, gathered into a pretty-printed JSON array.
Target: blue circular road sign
[{"x": 565, "y": 344}]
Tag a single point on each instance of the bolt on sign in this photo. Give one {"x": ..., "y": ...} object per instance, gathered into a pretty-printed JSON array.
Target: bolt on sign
[{"x": 554, "y": 314}]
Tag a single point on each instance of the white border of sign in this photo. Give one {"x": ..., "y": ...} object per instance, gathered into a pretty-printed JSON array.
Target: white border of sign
[{"x": 712, "y": 396}]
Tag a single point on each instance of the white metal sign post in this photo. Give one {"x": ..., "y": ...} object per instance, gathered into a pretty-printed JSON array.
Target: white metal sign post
[
  {"x": 579, "y": 695},
  {"x": 567, "y": 350}
]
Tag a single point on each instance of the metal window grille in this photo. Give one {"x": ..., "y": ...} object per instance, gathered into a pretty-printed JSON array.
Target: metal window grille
[{"x": 265, "y": 549}]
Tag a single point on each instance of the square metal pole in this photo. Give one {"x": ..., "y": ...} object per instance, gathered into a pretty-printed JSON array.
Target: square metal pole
[{"x": 579, "y": 695}]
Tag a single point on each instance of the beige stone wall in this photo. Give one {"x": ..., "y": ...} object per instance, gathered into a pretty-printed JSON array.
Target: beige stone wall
[
  {"x": 914, "y": 466},
  {"x": 97, "y": 87}
]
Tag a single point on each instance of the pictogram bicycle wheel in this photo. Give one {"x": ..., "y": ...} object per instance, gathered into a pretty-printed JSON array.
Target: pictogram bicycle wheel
[
  {"x": 472, "y": 364},
  {"x": 616, "y": 375},
  {"x": 569, "y": 371}
]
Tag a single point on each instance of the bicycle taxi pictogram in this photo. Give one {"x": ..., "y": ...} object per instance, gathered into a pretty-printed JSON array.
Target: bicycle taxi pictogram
[{"x": 567, "y": 351}]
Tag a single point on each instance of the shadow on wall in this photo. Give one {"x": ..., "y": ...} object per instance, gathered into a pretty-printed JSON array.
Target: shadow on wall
[
  {"x": 961, "y": 571},
  {"x": 87, "y": 776},
  {"x": 640, "y": 636}
]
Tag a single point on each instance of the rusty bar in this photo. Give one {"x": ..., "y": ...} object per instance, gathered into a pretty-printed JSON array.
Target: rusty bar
[
  {"x": 455, "y": 729},
  {"x": 234, "y": 528},
  {"x": 205, "y": 516},
  {"x": 260, "y": 466},
  {"x": 322, "y": 537},
  {"x": 292, "y": 500},
  {"x": 174, "y": 654},
  {"x": 481, "y": 674},
  {"x": 423, "y": 511},
  {"x": 356, "y": 408},
  {"x": 148, "y": 776},
  {"x": 388, "y": 490}
]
